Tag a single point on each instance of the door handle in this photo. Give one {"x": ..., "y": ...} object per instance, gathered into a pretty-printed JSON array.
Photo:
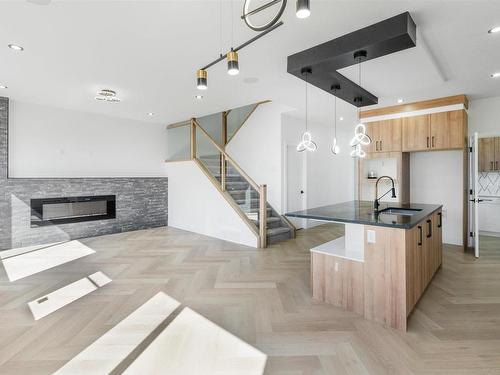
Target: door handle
[
  {"x": 376, "y": 146},
  {"x": 496, "y": 166},
  {"x": 429, "y": 228},
  {"x": 433, "y": 142},
  {"x": 427, "y": 142},
  {"x": 491, "y": 165},
  {"x": 380, "y": 145},
  {"x": 420, "y": 236},
  {"x": 440, "y": 223}
]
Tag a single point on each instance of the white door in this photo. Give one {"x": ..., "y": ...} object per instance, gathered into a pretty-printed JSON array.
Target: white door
[
  {"x": 474, "y": 194},
  {"x": 295, "y": 183}
]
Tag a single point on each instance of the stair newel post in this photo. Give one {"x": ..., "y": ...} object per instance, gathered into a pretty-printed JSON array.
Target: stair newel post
[
  {"x": 263, "y": 216},
  {"x": 193, "y": 139},
  {"x": 223, "y": 172}
]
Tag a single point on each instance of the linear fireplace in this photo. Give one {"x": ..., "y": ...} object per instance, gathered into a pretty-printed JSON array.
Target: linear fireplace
[{"x": 53, "y": 211}]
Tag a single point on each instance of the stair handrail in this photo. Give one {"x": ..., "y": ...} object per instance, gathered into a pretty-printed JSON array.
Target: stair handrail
[
  {"x": 262, "y": 189},
  {"x": 227, "y": 157}
]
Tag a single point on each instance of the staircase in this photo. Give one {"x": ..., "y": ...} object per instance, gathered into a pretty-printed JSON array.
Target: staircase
[{"x": 247, "y": 198}]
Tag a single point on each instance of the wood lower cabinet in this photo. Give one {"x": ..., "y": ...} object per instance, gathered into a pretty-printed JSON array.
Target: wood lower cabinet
[
  {"x": 489, "y": 154},
  {"x": 424, "y": 249},
  {"x": 437, "y": 131}
]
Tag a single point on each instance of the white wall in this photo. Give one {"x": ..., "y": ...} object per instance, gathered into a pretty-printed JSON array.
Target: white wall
[
  {"x": 256, "y": 147},
  {"x": 194, "y": 204},
  {"x": 53, "y": 142},
  {"x": 330, "y": 178},
  {"x": 437, "y": 178},
  {"x": 484, "y": 117}
]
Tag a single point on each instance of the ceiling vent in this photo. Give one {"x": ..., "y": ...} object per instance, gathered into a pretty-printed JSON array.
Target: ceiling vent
[{"x": 107, "y": 95}]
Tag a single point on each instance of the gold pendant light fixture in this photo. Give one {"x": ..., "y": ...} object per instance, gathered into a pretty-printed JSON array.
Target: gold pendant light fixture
[{"x": 233, "y": 68}]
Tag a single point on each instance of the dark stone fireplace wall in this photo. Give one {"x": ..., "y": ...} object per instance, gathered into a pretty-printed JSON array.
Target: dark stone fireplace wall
[{"x": 141, "y": 203}]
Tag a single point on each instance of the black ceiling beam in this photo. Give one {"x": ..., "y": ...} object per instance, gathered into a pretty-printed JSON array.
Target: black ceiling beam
[{"x": 383, "y": 38}]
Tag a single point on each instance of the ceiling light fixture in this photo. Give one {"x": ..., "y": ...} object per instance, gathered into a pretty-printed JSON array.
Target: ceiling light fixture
[
  {"x": 151, "y": 113},
  {"x": 400, "y": 101},
  {"x": 494, "y": 30},
  {"x": 201, "y": 79},
  {"x": 199, "y": 97},
  {"x": 335, "y": 147},
  {"x": 3, "y": 87},
  {"x": 303, "y": 9},
  {"x": 306, "y": 142},
  {"x": 275, "y": 17},
  {"x": 232, "y": 54},
  {"x": 360, "y": 137},
  {"x": 232, "y": 63},
  {"x": 107, "y": 95},
  {"x": 495, "y": 75},
  {"x": 341, "y": 118},
  {"x": 15, "y": 47}
]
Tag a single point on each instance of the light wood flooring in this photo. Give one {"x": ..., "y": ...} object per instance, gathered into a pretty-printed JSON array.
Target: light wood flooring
[{"x": 263, "y": 297}]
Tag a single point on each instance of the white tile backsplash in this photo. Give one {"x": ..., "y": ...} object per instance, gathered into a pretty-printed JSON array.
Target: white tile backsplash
[{"x": 489, "y": 183}]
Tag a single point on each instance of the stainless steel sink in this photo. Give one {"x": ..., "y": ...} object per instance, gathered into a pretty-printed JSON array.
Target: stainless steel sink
[{"x": 400, "y": 211}]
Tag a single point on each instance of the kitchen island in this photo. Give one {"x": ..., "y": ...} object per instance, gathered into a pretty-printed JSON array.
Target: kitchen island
[{"x": 383, "y": 264}]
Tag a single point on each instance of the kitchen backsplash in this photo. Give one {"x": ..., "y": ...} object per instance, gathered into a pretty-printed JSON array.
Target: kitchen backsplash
[{"x": 489, "y": 183}]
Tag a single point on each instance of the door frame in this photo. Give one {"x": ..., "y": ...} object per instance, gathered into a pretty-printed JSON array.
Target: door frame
[{"x": 285, "y": 146}]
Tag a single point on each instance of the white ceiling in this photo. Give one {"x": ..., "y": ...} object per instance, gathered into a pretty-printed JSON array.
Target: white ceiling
[{"x": 149, "y": 51}]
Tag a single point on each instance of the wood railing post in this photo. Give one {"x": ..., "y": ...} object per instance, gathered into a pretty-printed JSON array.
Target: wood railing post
[
  {"x": 193, "y": 139},
  {"x": 263, "y": 216},
  {"x": 223, "y": 172}
]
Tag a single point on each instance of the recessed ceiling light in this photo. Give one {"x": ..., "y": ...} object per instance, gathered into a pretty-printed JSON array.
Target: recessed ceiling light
[
  {"x": 400, "y": 101},
  {"x": 495, "y": 75},
  {"x": 496, "y": 29},
  {"x": 199, "y": 97},
  {"x": 341, "y": 119},
  {"x": 151, "y": 113},
  {"x": 15, "y": 47},
  {"x": 3, "y": 87},
  {"x": 107, "y": 95}
]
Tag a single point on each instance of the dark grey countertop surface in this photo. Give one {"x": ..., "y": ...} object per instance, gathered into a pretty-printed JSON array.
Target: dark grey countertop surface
[{"x": 361, "y": 212}]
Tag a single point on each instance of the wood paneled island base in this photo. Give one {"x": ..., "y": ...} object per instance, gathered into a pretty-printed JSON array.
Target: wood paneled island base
[{"x": 385, "y": 275}]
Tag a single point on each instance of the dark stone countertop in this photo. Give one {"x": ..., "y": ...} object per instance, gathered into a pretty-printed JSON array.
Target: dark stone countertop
[{"x": 361, "y": 212}]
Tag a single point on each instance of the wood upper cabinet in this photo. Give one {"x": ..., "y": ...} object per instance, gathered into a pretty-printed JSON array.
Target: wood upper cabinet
[
  {"x": 416, "y": 133},
  {"x": 437, "y": 131},
  {"x": 489, "y": 154},
  {"x": 385, "y": 135},
  {"x": 447, "y": 130}
]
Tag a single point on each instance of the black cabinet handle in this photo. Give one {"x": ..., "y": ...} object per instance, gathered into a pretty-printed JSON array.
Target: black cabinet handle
[
  {"x": 380, "y": 145},
  {"x": 429, "y": 228},
  {"x": 491, "y": 166},
  {"x": 440, "y": 222},
  {"x": 427, "y": 142},
  {"x": 420, "y": 235}
]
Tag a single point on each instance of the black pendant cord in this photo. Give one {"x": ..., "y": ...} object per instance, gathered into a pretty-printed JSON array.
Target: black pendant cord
[
  {"x": 232, "y": 25},
  {"x": 359, "y": 83},
  {"x": 306, "y": 103},
  {"x": 335, "y": 116},
  {"x": 220, "y": 28}
]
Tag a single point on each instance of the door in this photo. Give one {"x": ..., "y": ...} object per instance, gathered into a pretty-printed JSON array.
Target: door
[
  {"x": 372, "y": 130},
  {"x": 389, "y": 135},
  {"x": 295, "y": 183},
  {"x": 486, "y": 154},
  {"x": 474, "y": 194},
  {"x": 416, "y": 133},
  {"x": 497, "y": 153}
]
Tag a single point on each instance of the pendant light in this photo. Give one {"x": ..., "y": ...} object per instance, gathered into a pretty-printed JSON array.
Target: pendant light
[
  {"x": 201, "y": 79},
  {"x": 303, "y": 9},
  {"x": 232, "y": 56},
  {"x": 335, "y": 147},
  {"x": 306, "y": 142},
  {"x": 360, "y": 137},
  {"x": 232, "y": 63}
]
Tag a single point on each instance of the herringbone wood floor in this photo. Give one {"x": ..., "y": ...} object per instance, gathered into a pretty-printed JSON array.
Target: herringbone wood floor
[{"x": 263, "y": 297}]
